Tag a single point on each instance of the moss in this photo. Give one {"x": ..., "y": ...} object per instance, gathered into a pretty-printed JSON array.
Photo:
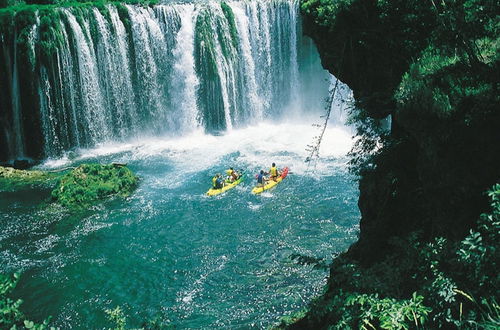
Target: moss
[
  {"x": 92, "y": 182},
  {"x": 25, "y": 20},
  {"x": 6, "y": 21},
  {"x": 18, "y": 6},
  {"x": 51, "y": 37},
  {"x": 104, "y": 10},
  {"x": 12, "y": 179},
  {"x": 228, "y": 13},
  {"x": 124, "y": 17},
  {"x": 209, "y": 102},
  {"x": 11, "y": 173},
  {"x": 204, "y": 44}
]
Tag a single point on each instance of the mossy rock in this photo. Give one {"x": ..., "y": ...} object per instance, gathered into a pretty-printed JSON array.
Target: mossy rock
[
  {"x": 12, "y": 179},
  {"x": 92, "y": 182},
  {"x": 12, "y": 173}
]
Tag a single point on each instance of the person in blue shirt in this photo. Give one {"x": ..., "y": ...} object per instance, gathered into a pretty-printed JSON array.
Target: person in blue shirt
[
  {"x": 261, "y": 179},
  {"x": 218, "y": 181}
]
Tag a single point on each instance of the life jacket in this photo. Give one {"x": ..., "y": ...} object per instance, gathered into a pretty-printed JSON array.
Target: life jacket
[
  {"x": 219, "y": 183},
  {"x": 260, "y": 178},
  {"x": 274, "y": 171},
  {"x": 214, "y": 182}
]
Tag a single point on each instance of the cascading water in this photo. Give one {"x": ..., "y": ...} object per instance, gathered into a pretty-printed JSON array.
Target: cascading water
[
  {"x": 184, "y": 68},
  {"x": 124, "y": 71},
  {"x": 16, "y": 111}
]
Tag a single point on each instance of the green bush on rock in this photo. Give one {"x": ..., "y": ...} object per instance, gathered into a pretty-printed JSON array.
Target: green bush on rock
[{"x": 91, "y": 182}]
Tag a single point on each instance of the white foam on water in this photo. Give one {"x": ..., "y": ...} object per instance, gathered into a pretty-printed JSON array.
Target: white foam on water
[
  {"x": 249, "y": 148},
  {"x": 254, "y": 207},
  {"x": 266, "y": 194}
]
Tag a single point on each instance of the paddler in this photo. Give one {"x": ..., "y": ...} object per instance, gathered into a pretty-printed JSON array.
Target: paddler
[
  {"x": 233, "y": 175},
  {"x": 274, "y": 173},
  {"x": 261, "y": 179},
  {"x": 217, "y": 182}
]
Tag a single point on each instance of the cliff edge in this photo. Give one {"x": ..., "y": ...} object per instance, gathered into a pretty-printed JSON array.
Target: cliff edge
[{"x": 433, "y": 67}]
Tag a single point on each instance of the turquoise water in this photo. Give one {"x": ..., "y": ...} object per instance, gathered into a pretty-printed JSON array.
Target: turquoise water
[{"x": 172, "y": 253}]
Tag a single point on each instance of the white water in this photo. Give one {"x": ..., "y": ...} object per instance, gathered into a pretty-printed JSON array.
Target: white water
[
  {"x": 16, "y": 110},
  {"x": 185, "y": 69},
  {"x": 282, "y": 143},
  {"x": 243, "y": 29},
  {"x": 136, "y": 73}
]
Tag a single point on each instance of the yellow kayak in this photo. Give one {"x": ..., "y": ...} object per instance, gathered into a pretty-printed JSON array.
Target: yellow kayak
[
  {"x": 271, "y": 183},
  {"x": 227, "y": 186}
]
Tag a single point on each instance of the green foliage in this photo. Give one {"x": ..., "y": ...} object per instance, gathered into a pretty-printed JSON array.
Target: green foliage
[
  {"x": 325, "y": 11},
  {"x": 91, "y": 182},
  {"x": 228, "y": 13},
  {"x": 9, "y": 309},
  {"x": 435, "y": 284},
  {"x": 371, "y": 136},
  {"x": 290, "y": 319},
  {"x": 433, "y": 65},
  {"x": 416, "y": 59},
  {"x": 12, "y": 179},
  {"x": 48, "y": 4},
  {"x": 479, "y": 251},
  {"x": 10, "y": 314},
  {"x": 117, "y": 317},
  {"x": 438, "y": 85},
  {"x": 387, "y": 313}
]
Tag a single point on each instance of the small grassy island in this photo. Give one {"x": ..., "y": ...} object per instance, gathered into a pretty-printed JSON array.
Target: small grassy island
[
  {"x": 79, "y": 188},
  {"x": 15, "y": 174},
  {"x": 90, "y": 182},
  {"x": 12, "y": 179}
]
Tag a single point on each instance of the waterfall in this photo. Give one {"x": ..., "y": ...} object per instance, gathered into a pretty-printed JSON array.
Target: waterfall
[
  {"x": 16, "y": 108},
  {"x": 184, "y": 69},
  {"x": 116, "y": 72},
  {"x": 254, "y": 100}
]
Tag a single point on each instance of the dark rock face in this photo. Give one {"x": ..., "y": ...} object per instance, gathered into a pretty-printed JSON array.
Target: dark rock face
[
  {"x": 363, "y": 49},
  {"x": 27, "y": 103},
  {"x": 432, "y": 173},
  {"x": 22, "y": 164}
]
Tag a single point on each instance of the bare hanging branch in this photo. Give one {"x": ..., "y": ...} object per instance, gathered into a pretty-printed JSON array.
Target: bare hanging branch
[{"x": 314, "y": 149}]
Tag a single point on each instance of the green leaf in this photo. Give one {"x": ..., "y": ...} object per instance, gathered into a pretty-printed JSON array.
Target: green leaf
[{"x": 28, "y": 324}]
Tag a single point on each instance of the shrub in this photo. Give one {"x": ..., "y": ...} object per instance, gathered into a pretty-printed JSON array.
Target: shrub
[
  {"x": 11, "y": 316},
  {"x": 91, "y": 182}
]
